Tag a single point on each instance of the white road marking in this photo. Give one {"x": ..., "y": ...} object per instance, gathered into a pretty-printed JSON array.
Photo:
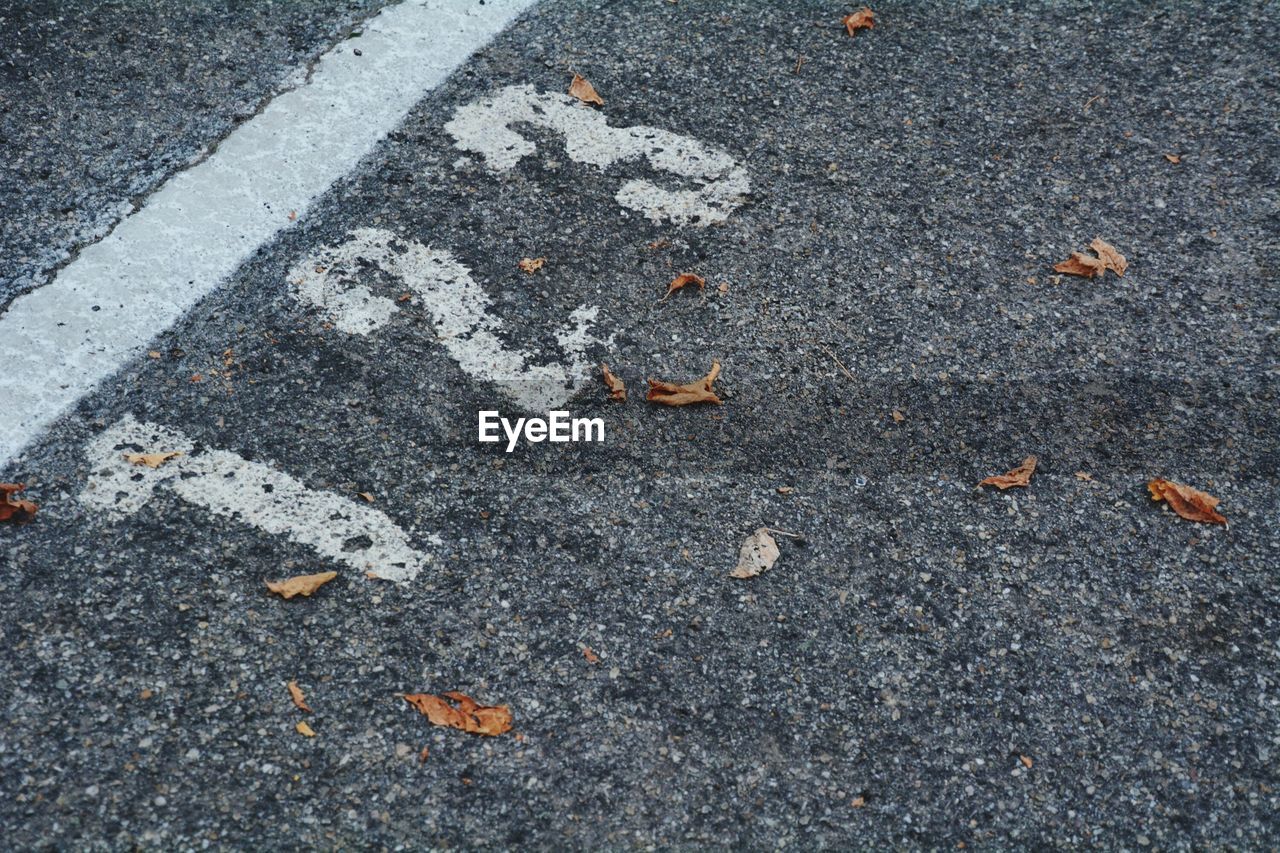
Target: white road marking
[
  {"x": 458, "y": 307},
  {"x": 248, "y": 492},
  {"x": 59, "y": 341},
  {"x": 484, "y": 127}
]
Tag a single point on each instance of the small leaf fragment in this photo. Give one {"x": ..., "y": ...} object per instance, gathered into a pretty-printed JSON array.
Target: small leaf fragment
[
  {"x": 683, "y": 279},
  {"x": 592, "y": 657},
  {"x": 303, "y": 585},
  {"x": 669, "y": 394},
  {"x": 617, "y": 388},
  {"x": 758, "y": 554},
  {"x": 303, "y": 729},
  {"x": 458, "y": 711},
  {"x": 1082, "y": 265},
  {"x": 367, "y": 496},
  {"x": 13, "y": 509},
  {"x": 1087, "y": 266},
  {"x": 1173, "y": 158},
  {"x": 152, "y": 460},
  {"x": 299, "y": 698},
  {"x": 1191, "y": 504},
  {"x": 1113, "y": 260},
  {"x": 1026, "y": 761},
  {"x": 898, "y": 417},
  {"x": 531, "y": 265},
  {"x": 1019, "y": 476},
  {"x": 584, "y": 91},
  {"x": 863, "y": 19}
]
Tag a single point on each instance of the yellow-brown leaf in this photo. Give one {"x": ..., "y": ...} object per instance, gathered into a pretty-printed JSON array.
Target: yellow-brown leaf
[
  {"x": 1019, "y": 476},
  {"x": 584, "y": 91},
  {"x": 863, "y": 19},
  {"x": 683, "y": 279},
  {"x": 617, "y": 388},
  {"x": 152, "y": 460},
  {"x": 1191, "y": 504},
  {"x": 669, "y": 394},
  {"x": 459, "y": 711},
  {"x": 299, "y": 698},
  {"x": 303, "y": 585},
  {"x": 13, "y": 509}
]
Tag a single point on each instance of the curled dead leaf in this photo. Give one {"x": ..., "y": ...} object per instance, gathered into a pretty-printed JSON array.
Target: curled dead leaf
[
  {"x": 584, "y": 91},
  {"x": 302, "y": 585},
  {"x": 700, "y": 391},
  {"x": 591, "y": 656},
  {"x": 1191, "y": 504},
  {"x": 1082, "y": 265},
  {"x": 531, "y": 265},
  {"x": 1087, "y": 266},
  {"x": 1173, "y": 158},
  {"x": 758, "y": 554},
  {"x": 1114, "y": 260},
  {"x": 299, "y": 698},
  {"x": 459, "y": 711},
  {"x": 863, "y": 19},
  {"x": 152, "y": 460},
  {"x": 367, "y": 496},
  {"x": 13, "y": 509},
  {"x": 1026, "y": 761},
  {"x": 304, "y": 729},
  {"x": 683, "y": 279},
  {"x": 1019, "y": 476},
  {"x": 617, "y": 388}
]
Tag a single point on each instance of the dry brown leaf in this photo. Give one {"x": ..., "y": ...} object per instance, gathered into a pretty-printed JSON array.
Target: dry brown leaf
[
  {"x": 758, "y": 554},
  {"x": 863, "y": 19},
  {"x": 584, "y": 91},
  {"x": 1084, "y": 475},
  {"x": 299, "y": 698},
  {"x": 723, "y": 288},
  {"x": 368, "y": 496},
  {"x": 1019, "y": 476},
  {"x": 302, "y": 585},
  {"x": 1026, "y": 761},
  {"x": 458, "y": 711},
  {"x": 1082, "y": 265},
  {"x": 786, "y": 490},
  {"x": 304, "y": 730},
  {"x": 898, "y": 417},
  {"x": 681, "y": 280},
  {"x": 153, "y": 353},
  {"x": 700, "y": 391},
  {"x": 422, "y": 756},
  {"x": 617, "y": 389},
  {"x": 12, "y": 509},
  {"x": 858, "y": 802},
  {"x": 1173, "y": 158},
  {"x": 591, "y": 656},
  {"x": 1191, "y": 504},
  {"x": 152, "y": 460},
  {"x": 1107, "y": 253},
  {"x": 1087, "y": 266},
  {"x": 531, "y": 265}
]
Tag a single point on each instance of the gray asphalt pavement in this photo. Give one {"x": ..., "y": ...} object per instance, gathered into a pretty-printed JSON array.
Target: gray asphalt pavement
[{"x": 928, "y": 665}]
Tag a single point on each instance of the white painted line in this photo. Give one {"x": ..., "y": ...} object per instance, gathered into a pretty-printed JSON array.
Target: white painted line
[
  {"x": 58, "y": 342},
  {"x": 248, "y": 492},
  {"x": 484, "y": 127},
  {"x": 458, "y": 307}
]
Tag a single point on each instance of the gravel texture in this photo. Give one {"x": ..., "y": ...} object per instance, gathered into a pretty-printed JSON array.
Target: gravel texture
[
  {"x": 927, "y": 665},
  {"x": 101, "y": 101}
]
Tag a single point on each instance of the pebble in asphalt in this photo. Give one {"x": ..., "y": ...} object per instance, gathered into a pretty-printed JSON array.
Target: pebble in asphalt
[{"x": 883, "y": 682}]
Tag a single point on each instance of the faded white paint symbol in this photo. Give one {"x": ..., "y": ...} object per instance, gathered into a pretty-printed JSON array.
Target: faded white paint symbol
[
  {"x": 249, "y": 492},
  {"x": 485, "y": 127},
  {"x": 458, "y": 308}
]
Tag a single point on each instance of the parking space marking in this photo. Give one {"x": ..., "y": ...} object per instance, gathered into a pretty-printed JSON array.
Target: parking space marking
[
  {"x": 484, "y": 127},
  {"x": 458, "y": 307},
  {"x": 248, "y": 492},
  {"x": 59, "y": 341}
]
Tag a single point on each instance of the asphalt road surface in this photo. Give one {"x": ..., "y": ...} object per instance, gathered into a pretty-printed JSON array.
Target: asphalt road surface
[{"x": 876, "y": 217}]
